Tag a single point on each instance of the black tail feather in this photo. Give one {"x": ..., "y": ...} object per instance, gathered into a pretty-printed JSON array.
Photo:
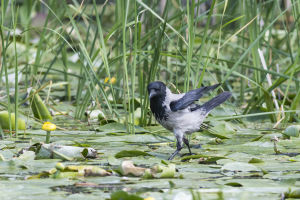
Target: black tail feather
[
  {"x": 214, "y": 102},
  {"x": 206, "y": 89}
]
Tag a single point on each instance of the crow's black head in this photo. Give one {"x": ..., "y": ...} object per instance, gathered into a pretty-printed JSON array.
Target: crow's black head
[
  {"x": 156, "y": 89},
  {"x": 157, "y": 94}
]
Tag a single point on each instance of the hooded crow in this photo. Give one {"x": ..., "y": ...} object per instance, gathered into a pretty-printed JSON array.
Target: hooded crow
[{"x": 179, "y": 113}]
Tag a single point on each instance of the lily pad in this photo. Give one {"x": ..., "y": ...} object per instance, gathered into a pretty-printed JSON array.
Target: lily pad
[
  {"x": 255, "y": 160},
  {"x": 292, "y": 131},
  {"x": 120, "y": 128},
  {"x": 234, "y": 184},
  {"x": 121, "y": 195},
  {"x": 133, "y": 153},
  {"x": 168, "y": 171},
  {"x": 203, "y": 159},
  {"x": 293, "y": 194},
  {"x": 45, "y": 151},
  {"x": 222, "y": 130},
  {"x": 240, "y": 167}
]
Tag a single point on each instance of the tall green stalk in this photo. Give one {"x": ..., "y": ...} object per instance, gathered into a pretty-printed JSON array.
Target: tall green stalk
[
  {"x": 4, "y": 64},
  {"x": 130, "y": 124},
  {"x": 133, "y": 70},
  {"x": 203, "y": 48},
  {"x": 191, "y": 33},
  {"x": 14, "y": 21}
]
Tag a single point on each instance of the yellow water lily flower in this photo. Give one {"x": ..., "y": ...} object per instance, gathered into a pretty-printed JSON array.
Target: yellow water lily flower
[
  {"x": 106, "y": 80},
  {"x": 112, "y": 80},
  {"x": 48, "y": 126}
]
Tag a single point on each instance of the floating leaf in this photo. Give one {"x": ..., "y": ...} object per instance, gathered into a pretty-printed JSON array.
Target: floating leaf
[
  {"x": 148, "y": 174},
  {"x": 132, "y": 153},
  {"x": 240, "y": 167},
  {"x": 120, "y": 128},
  {"x": 257, "y": 138},
  {"x": 221, "y": 130},
  {"x": 168, "y": 172},
  {"x": 72, "y": 171},
  {"x": 27, "y": 155},
  {"x": 203, "y": 159},
  {"x": 87, "y": 170},
  {"x": 60, "y": 174},
  {"x": 95, "y": 114},
  {"x": 255, "y": 160},
  {"x": 293, "y": 194},
  {"x": 292, "y": 131},
  {"x": 121, "y": 195},
  {"x": 45, "y": 151},
  {"x": 234, "y": 184}
]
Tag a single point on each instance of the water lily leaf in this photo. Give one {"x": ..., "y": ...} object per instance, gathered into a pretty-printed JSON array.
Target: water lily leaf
[
  {"x": 95, "y": 114},
  {"x": 103, "y": 122},
  {"x": 240, "y": 167},
  {"x": 40, "y": 175},
  {"x": 27, "y": 155},
  {"x": 133, "y": 153},
  {"x": 87, "y": 170},
  {"x": 113, "y": 161},
  {"x": 239, "y": 156},
  {"x": 7, "y": 154},
  {"x": 257, "y": 138},
  {"x": 234, "y": 184},
  {"x": 293, "y": 194},
  {"x": 118, "y": 127},
  {"x": 168, "y": 172},
  {"x": 221, "y": 130},
  {"x": 203, "y": 159},
  {"x": 60, "y": 174},
  {"x": 45, "y": 151},
  {"x": 148, "y": 174},
  {"x": 255, "y": 160},
  {"x": 121, "y": 195},
  {"x": 71, "y": 171},
  {"x": 292, "y": 131}
]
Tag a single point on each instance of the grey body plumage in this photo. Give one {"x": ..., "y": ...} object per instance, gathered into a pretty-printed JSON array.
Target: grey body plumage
[{"x": 178, "y": 112}]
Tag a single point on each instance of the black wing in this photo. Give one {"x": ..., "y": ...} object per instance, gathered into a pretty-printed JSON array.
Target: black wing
[
  {"x": 214, "y": 102},
  {"x": 190, "y": 97}
]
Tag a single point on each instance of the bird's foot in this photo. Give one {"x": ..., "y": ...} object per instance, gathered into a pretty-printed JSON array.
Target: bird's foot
[
  {"x": 172, "y": 155},
  {"x": 175, "y": 153}
]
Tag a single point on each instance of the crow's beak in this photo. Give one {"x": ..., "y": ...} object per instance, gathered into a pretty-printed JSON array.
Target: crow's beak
[{"x": 152, "y": 93}]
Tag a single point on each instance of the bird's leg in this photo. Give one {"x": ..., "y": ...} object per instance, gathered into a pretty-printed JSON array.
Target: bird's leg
[
  {"x": 186, "y": 142},
  {"x": 178, "y": 146}
]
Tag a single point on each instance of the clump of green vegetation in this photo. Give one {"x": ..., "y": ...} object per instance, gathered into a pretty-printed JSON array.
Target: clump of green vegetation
[{"x": 108, "y": 52}]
